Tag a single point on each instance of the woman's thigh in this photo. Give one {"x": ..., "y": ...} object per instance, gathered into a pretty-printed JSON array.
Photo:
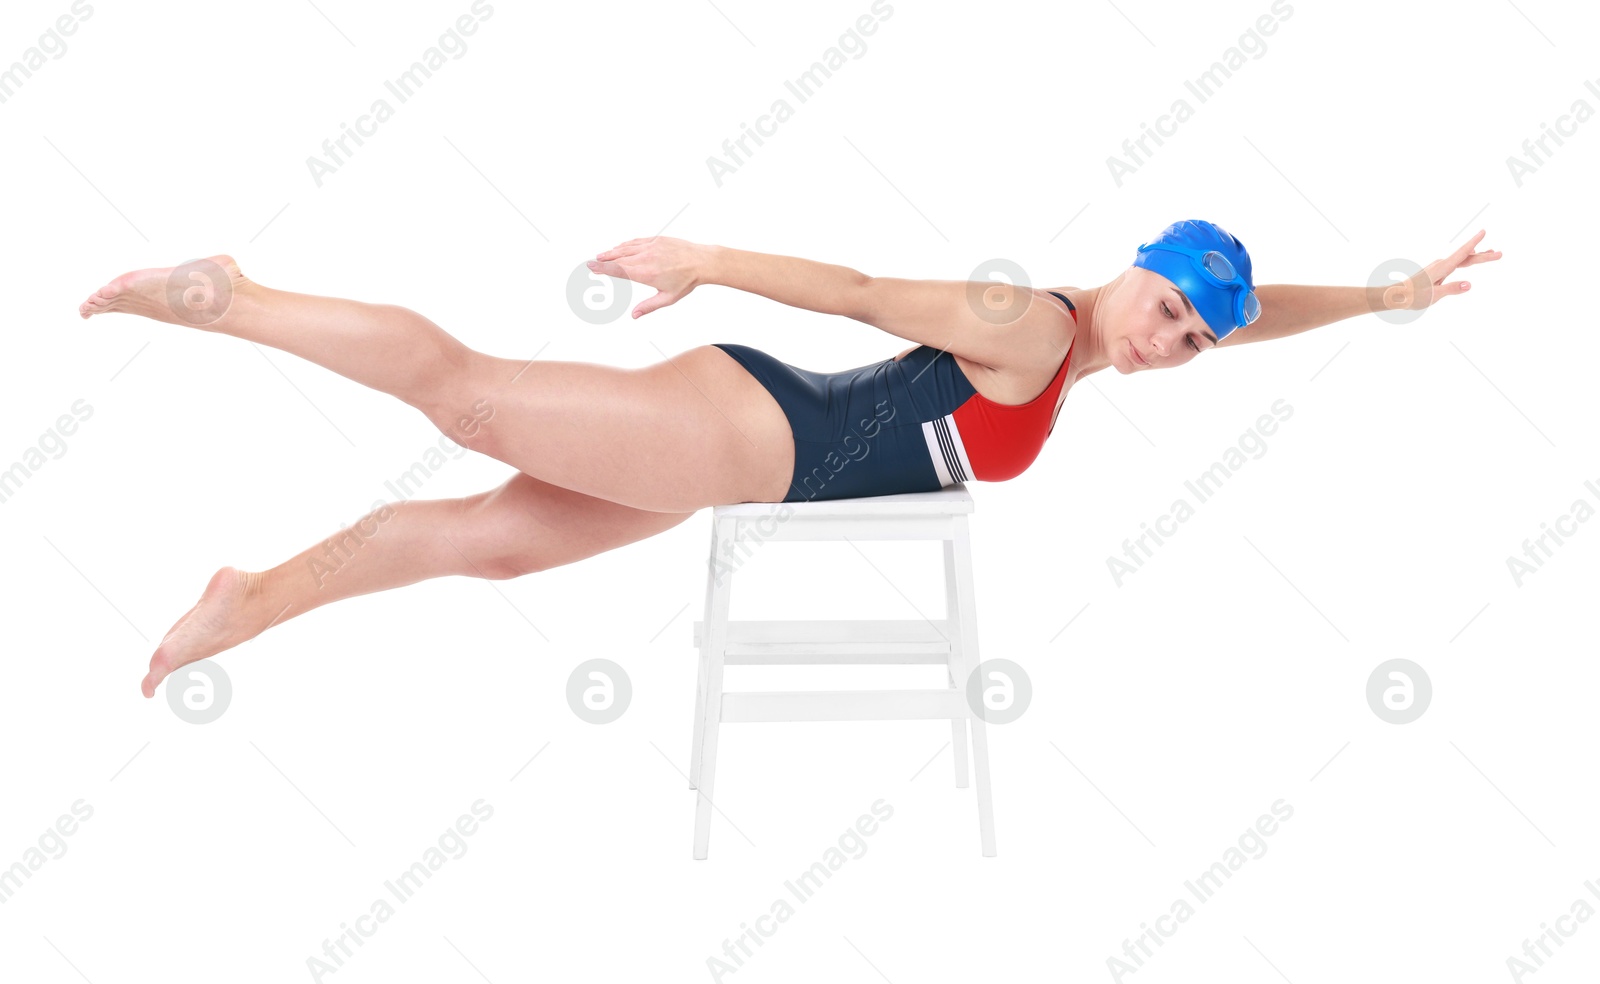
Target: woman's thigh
[{"x": 693, "y": 431}]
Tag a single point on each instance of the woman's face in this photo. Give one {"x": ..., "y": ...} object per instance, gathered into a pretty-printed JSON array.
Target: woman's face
[{"x": 1151, "y": 325}]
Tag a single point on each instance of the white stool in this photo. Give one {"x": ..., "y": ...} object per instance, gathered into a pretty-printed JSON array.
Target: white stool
[{"x": 952, "y": 640}]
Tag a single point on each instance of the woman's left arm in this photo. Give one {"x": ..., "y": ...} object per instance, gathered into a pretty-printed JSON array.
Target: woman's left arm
[{"x": 1288, "y": 309}]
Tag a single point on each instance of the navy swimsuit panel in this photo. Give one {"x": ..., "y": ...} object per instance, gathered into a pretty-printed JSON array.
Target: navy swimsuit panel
[{"x": 859, "y": 432}]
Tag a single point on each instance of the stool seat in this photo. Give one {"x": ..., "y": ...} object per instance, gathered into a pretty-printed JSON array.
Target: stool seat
[
  {"x": 941, "y": 515},
  {"x": 952, "y": 499}
]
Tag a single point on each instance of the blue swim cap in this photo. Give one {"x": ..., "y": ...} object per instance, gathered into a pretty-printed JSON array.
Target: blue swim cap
[{"x": 1219, "y": 286}]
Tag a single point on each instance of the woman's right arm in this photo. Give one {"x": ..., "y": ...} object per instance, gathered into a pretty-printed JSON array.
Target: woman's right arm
[
  {"x": 808, "y": 284},
  {"x": 675, "y": 267},
  {"x": 951, "y": 315}
]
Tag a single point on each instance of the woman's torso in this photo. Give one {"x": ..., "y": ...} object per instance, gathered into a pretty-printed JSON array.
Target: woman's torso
[
  {"x": 1014, "y": 388},
  {"x": 978, "y": 422}
]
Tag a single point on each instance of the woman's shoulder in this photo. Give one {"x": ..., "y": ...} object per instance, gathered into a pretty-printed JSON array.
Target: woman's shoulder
[{"x": 1042, "y": 338}]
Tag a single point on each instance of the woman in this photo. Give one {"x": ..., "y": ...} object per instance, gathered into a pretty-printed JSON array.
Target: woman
[{"x": 608, "y": 456}]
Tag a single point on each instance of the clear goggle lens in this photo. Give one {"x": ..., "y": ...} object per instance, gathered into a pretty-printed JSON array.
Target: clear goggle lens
[
  {"x": 1218, "y": 266},
  {"x": 1252, "y": 308}
]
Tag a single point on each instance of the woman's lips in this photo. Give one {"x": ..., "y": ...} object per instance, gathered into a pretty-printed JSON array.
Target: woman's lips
[{"x": 1136, "y": 359}]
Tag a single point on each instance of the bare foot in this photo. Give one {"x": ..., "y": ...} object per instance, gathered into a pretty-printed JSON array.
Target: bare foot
[
  {"x": 197, "y": 293},
  {"x": 220, "y": 620}
]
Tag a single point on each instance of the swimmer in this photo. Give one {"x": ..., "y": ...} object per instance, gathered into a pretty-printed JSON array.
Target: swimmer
[{"x": 606, "y": 456}]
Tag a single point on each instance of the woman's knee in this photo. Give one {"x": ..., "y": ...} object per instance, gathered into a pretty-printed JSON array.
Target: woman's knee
[
  {"x": 497, "y": 535},
  {"x": 461, "y": 403},
  {"x": 527, "y": 525}
]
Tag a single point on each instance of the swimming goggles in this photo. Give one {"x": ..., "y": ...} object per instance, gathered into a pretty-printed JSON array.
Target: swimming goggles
[{"x": 1220, "y": 273}]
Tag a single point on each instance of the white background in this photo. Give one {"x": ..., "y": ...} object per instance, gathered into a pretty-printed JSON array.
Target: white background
[{"x": 1228, "y": 673}]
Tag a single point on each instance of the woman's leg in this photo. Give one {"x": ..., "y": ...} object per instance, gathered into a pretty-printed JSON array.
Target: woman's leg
[
  {"x": 523, "y": 526},
  {"x": 696, "y": 430}
]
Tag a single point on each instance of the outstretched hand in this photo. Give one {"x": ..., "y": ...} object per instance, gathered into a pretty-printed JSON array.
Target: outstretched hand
[
  {"x": 1428, "y": 285},
  {"x": 671, "y": 266}
]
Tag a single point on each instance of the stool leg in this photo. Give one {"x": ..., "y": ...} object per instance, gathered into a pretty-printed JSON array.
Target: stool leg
[
  {"x": 980, "y": 755},
  {"x": 701, "y": 675},
  {"x": 716, "y": 637},
  {"x": 958, "y": 726},
  {"x": 968, "y": 622},
  {"x": 958, "y": 741},
  {"x": 696, "y": 744}
]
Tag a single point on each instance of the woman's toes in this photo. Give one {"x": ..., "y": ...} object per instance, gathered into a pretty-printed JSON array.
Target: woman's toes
[
  {"x": 160, "y": 666},
  {"x": 101, "y": 300}
]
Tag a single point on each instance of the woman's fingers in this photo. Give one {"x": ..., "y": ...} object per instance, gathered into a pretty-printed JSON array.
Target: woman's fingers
[
  {"x": 666, "y": 244},
  {"x": 1466, "y": 247},
  {"x": 1462, "y": 257},
  {"x": 1465, "y": 256},
  {"x": 623, "y": 249},
  {"x": 1465, "y": 253},
  {"x": 660, "y": 300},
  {"x": 610, "y": 268}
]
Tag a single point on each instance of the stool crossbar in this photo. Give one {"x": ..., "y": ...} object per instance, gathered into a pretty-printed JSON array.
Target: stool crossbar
[{"x": 952, "y": 640}]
